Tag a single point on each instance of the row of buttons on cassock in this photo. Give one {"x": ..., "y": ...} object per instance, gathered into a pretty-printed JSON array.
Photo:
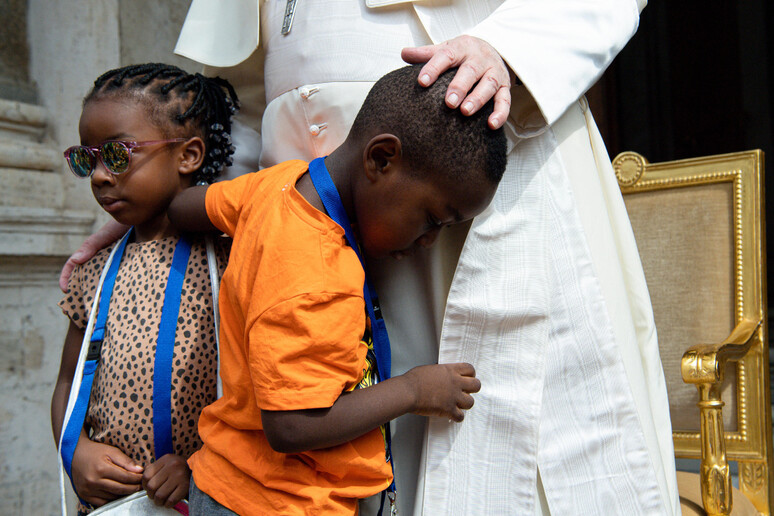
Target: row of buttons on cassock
[{"x": 306, "y": 92}]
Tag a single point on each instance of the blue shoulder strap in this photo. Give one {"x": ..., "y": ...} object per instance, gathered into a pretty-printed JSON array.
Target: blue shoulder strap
[
  {"x": 165, "y": 350},
  {"x": 330, "y": 198},
  {"x": 323, "y": 183},
  {"x": 72, "y": 431},
  {"x": 162, "y": 376}
]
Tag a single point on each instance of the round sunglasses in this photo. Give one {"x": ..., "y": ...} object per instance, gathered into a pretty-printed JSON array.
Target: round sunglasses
[{"x": 115, "y": 155}]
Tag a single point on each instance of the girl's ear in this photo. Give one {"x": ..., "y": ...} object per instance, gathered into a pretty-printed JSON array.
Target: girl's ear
[
  {"x": 191, "y": 155},
  {"x": 382, "y": 153}
]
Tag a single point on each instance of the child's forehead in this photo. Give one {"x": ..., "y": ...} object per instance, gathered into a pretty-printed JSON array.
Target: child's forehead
[
  {"x": 113, "y": 118},
  {"x": 132, "y": 110},
  {"x": 147, "y": 100},
  {"x": 461, "y": 195},
  {"x": 456, "y": 182}
]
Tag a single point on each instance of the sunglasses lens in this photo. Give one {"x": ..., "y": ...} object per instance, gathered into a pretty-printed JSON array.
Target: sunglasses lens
[
  {"x": 81, "y": 161},
  {"x": 115, "y": 156}
]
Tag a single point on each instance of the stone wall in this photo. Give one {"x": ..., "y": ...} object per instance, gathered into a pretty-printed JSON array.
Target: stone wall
[{"x": 50, "y": 53}]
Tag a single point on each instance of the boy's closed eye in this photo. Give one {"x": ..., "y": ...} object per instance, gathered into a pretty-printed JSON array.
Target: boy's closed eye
[{"x": 433, "y": 222}]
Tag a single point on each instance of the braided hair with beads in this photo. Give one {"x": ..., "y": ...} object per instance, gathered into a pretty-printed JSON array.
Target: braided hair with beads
[{"x": 179, "y": 102}]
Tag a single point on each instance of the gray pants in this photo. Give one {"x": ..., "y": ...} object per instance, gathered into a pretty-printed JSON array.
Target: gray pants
[{"x": 202, "y": 504}]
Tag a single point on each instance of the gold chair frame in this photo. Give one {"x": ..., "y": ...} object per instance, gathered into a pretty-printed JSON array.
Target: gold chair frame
[{"x": 704, "y": 364}]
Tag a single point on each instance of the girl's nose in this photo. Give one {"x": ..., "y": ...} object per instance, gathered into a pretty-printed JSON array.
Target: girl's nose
[
  {"x": 428, "y": 239},
  {"x": 101, "y": 176}
]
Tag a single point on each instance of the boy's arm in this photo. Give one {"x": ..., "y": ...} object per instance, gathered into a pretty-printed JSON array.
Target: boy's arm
[
  {"x": 188, "y": 212},
  {"x": 435, "y": 390}
]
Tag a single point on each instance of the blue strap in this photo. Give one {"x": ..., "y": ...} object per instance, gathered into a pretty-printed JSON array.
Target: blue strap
[
  {"x": 78, "y": 415},
  {"x": 321, "y": 179},
  {"x": 165, "y": 348},
  {"x": 107, "y": 290},
  {"x": 75, "y": 424},
  {"x": 162, "y": 376},
  {"x": 330, "y": 198}
]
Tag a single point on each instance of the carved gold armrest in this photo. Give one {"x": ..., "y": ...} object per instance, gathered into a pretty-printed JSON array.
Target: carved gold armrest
[{"x": 704, "y": 366}]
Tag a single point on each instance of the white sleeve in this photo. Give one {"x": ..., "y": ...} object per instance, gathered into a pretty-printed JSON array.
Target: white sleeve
[
  {"x": 217, "y": 33},
  {"x": 557, "y": 48}
]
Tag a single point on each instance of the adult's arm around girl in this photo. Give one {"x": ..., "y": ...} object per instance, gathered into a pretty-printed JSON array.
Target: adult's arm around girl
[{"x": 104, "y": 236}]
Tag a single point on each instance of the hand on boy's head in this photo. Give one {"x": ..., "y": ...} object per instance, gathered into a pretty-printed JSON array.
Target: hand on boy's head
[
  {"x": 443, "y": 390},
  {"x": 479, "y": 64},
  {"x": 102, "y": 473},
  {"x": 166, "y": 480}
]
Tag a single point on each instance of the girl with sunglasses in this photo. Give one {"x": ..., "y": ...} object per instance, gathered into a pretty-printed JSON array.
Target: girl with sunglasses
[{"x": 147, "y": 132}]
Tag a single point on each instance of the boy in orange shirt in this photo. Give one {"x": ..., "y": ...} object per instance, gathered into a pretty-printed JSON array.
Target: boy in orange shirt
[{"x": 293, "y": 432}]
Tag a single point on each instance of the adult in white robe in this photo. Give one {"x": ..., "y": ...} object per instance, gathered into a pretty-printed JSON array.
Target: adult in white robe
[{"x": 544, "y": 292}]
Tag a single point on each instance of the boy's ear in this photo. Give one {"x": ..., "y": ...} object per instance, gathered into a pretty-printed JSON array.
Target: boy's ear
[
  {"x": 380, "y": 153},
  {"x": 191, "y": 155}
]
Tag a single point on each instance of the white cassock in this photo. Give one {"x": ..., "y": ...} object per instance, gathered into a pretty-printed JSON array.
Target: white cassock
[{"x": 544, "y": 293}]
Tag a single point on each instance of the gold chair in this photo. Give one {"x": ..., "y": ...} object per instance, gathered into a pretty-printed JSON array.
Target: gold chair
[{"x": 699, "y": 227}]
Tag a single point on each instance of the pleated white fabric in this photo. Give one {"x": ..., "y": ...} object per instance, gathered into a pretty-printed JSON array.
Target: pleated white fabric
[
  {"x": 613, "y": 252},
  {"x": 527, "y": 309}
]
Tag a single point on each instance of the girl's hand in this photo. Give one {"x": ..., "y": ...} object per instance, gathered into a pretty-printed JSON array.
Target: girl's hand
[
  {"x": 443, "y": 390},
  {"x": 166, "y": 480},
  {"x": 102, "y": 473}
]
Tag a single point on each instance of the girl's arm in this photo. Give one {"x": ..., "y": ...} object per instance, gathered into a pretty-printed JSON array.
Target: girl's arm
[
  {"x": 70, "y": 352},
  {"x": 187, "y": 211},
  {"x": 166, "y": 480},
  {"x": 441, "y": 390},
  {"x": 101, "y": 473}
]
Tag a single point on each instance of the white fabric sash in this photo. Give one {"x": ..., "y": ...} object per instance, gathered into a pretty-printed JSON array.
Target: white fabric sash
[{"x": 526, "y": 308}]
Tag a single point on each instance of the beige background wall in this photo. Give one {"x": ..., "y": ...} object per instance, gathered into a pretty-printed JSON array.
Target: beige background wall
[{"x": 50, "y": 53}]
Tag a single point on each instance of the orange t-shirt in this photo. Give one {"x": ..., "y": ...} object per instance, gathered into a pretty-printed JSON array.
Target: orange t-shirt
[{"x": 292, "y": 319}]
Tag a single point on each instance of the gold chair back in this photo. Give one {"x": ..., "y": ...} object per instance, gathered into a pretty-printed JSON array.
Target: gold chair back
[{"x": 699, "y": 228}]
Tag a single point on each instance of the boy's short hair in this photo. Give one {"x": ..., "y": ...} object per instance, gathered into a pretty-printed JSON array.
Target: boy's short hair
[{"x": 434, "y": 138}]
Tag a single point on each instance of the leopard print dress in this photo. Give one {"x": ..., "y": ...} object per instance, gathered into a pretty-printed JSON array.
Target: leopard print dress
[{"x": 120, "y": 408}]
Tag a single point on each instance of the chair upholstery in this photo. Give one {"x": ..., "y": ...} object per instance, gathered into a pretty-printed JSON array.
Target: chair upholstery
[{"x": 698, "y": 224}]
